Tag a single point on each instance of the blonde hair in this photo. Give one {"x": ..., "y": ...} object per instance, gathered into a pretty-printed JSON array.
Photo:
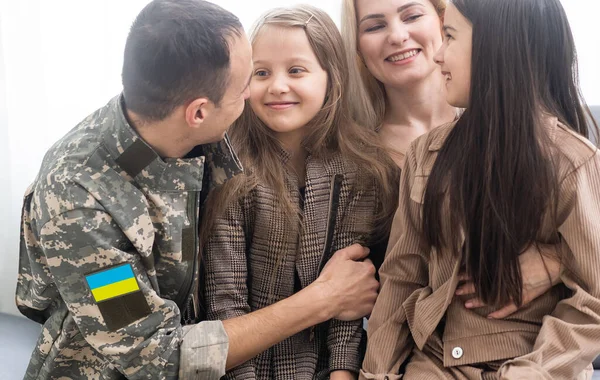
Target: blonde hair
[
  {"x": 331, "y": 131},
  {"x": 367, "y": 93}
]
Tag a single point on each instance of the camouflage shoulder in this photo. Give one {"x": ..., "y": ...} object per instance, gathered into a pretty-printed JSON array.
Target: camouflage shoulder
[{"x": 222, "y": 162}]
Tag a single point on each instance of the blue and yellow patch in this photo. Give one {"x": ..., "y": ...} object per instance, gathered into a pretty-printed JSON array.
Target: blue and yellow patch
[
  {"x": 113, "y": 282},
  {"x": 118, "y": 296}
]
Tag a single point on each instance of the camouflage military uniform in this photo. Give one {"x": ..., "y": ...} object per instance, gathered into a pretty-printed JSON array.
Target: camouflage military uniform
[{"x": 108, "y": 256}]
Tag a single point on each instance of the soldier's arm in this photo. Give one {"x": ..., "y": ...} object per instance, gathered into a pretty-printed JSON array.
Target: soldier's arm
[
  {"x": 101, "y": 279},
  {"x": 346, "y": 290}
]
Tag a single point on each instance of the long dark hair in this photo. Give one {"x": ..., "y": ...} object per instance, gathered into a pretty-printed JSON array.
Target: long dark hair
[{"x": 496, "y": 168}]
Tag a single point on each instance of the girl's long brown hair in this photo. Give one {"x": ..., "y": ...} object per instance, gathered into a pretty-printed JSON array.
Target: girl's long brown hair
[
  {"x": 332, "y": 130},
  {"x": 497, "y": 167}
]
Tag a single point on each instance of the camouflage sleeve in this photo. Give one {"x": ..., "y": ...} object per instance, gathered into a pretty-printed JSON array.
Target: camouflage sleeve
[
  {"x": 203, "y": 351},
  {"x": 226, "y": 289},
  {"x": 107, "y": 290}
]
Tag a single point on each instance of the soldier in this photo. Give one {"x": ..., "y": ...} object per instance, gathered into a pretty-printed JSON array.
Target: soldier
[{"x": 109, "y": 255}]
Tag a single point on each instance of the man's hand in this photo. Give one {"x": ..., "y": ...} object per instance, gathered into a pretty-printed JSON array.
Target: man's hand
[
  {"x": 346, "y": 290},
  {"x": 349, "y": 284}
]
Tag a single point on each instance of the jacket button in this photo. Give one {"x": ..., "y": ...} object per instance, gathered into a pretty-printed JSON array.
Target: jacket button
[{"x": 457, "y": 352}]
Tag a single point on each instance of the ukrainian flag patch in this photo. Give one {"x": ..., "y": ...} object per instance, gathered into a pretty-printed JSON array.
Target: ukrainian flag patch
[
  {"x": 118, "y": 296},
  {"x": 114, "y": 282}
]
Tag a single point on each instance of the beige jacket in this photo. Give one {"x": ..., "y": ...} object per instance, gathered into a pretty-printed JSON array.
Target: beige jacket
[{"x": 555, "y": 337}]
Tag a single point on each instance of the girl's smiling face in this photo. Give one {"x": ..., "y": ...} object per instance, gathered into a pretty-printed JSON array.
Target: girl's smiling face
[{"x": 289, "y": 86}]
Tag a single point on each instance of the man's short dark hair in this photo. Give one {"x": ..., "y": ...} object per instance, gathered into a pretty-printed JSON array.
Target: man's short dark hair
[{"x": 177, "y": 51}]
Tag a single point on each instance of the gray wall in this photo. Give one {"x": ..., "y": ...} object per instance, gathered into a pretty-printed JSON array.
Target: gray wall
[{"x": 596, "y": 112}]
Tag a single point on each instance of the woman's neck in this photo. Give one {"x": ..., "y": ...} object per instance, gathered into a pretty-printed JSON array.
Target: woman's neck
[
  {"x": 412, "y": 112},
  {"x": 422, "y": 105}
]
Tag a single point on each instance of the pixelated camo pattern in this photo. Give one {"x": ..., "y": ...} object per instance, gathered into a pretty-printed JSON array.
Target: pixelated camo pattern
[{"x": 103, "y": 197}]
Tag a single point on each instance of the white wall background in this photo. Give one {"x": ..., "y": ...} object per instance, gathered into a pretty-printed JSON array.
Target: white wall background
[{"x": 61, "y": 59}]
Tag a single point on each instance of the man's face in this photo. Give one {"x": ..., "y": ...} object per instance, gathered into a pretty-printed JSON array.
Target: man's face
[{"x": 238, "y": 89}]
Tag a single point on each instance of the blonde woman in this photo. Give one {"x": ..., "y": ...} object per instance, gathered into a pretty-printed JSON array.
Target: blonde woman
[
  {"x": 315, "y": 182},
  {"x": 398, "y": 90}
]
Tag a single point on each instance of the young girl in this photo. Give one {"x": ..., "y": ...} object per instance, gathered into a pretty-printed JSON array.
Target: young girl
[
  {"x": 315, "y": 182},
  {"x": 514, "y": 169}
]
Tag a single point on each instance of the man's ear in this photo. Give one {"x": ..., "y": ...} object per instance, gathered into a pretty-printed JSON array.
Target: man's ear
[{"x": 197, "y": 112}]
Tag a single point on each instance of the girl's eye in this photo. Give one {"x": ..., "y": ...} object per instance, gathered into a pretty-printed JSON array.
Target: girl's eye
[
  {"x": 296, "y": 70},
  {"x": 448, "y": 37},
  {"x": 260, "y": 73}
]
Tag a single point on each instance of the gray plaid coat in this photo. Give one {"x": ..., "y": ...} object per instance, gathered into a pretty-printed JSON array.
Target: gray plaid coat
[{"x": 254, "y": 255}]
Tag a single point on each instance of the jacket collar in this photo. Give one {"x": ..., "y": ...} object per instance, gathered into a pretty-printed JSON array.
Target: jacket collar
[
  {"x": 440, "y": 135},
  {"x": 143, "y": 164}
]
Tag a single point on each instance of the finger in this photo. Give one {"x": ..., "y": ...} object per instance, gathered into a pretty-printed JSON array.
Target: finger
[
  {"x": 464, "y": 277},
  {"x": 354, "y": 252},
  {"x": 468, "y": 288},
  {"x": 370, "y": 266},
  {"x": 503, "y": 312},
  {"x": 367, "y": 265},
  {"x": 474, "y": 303}
]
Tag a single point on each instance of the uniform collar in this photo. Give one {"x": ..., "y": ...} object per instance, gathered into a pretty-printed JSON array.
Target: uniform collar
[{"x": 142, "y": 163}]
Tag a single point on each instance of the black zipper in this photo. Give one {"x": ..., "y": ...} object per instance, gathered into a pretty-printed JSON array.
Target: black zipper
[{"x": 334, "y": 203}]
